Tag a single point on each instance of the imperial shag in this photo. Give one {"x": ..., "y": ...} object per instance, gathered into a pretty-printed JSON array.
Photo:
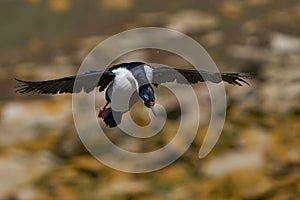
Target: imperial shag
[{"x": 126, "y": 81}]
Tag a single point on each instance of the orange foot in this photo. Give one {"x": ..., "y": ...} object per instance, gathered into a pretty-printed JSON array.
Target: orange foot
[{"x": 103, "y": 112}]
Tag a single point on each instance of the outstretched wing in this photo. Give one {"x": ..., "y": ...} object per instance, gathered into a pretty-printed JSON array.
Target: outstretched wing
[
  {"x": 185, "y": 76},
  {"x": 86, "y": 82}
]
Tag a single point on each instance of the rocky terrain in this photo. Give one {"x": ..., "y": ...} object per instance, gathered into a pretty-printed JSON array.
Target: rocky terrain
[{"x": 257, "y": 155}]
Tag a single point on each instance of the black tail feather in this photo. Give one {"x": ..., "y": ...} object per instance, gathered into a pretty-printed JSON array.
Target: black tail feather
[{"x": 113, "y": 119}]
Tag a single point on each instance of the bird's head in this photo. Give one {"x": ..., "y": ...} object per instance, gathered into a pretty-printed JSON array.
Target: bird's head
[{"x": 147, "y": 94}]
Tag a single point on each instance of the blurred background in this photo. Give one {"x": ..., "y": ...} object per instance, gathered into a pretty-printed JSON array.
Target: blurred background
[{"x": 257, "y": 155}]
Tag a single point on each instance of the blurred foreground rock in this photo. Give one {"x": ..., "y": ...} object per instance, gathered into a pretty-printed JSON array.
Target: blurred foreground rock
[
  {"x": 31, "y": 121},
  {"x": 19, "y": 169}
]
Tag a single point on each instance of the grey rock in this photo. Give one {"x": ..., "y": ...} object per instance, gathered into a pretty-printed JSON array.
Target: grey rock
[
  {"x": 192, "y": 21},
  {"x": 284, "y": 43}
]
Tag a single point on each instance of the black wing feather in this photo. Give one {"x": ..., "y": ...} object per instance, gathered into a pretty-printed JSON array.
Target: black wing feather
[
  {"x": 86, "y": 82},
  {"x": 185, "y": 76}
]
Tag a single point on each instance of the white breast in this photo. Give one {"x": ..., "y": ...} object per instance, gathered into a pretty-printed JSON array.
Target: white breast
[{"x": 122, "y": 89}]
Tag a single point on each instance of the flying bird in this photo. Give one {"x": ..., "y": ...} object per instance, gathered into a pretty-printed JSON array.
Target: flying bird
[{"x": 126, "y": 82}]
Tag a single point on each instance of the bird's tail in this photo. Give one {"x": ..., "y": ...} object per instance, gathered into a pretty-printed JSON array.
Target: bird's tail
[{"x": 113, "y": 119}]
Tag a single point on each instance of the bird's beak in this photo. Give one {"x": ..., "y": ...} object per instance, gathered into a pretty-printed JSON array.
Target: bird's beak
[
  {"x": 152, "y": 103},
  {"x": 153, "y": 111}
]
